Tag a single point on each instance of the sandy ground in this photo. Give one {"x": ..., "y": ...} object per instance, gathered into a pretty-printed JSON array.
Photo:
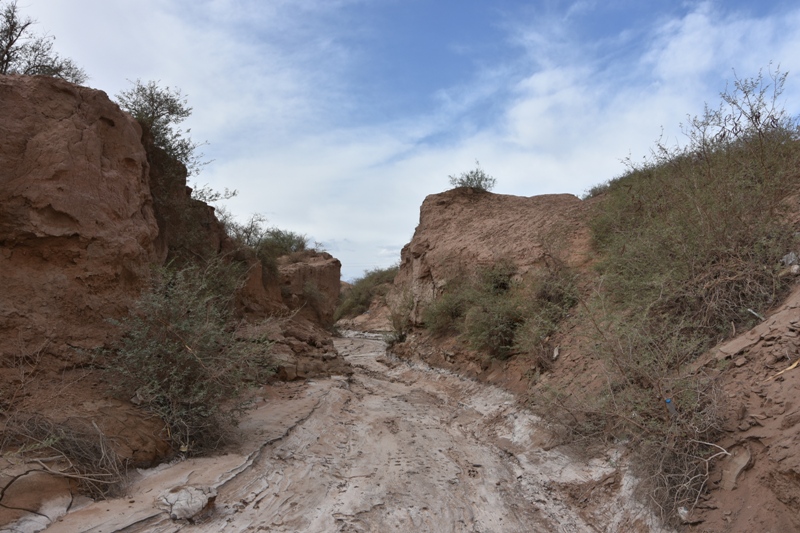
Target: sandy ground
[{"x": 394, "y": 447}]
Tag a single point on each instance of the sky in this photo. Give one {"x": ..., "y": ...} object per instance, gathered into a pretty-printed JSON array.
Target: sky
[{"x": 336, "y": 118}]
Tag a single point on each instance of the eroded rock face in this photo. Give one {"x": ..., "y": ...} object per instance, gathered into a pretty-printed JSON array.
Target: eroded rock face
[
  {"x": 310, "y": 283},
  {"x": 76, "y": 220},
  {"x": 79, "y": 233},
  {"x": 465, "y": 228}
]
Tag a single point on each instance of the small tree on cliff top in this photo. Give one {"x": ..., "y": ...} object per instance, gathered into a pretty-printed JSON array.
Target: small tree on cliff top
[
  {"x": 161, "y": 109},
  {"x": 31, "y": 55},
  {"x": 476, "y": 178}
]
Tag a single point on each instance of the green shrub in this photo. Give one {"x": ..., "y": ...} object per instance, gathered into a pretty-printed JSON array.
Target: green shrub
[
  {"x": 491, "y": 324},
  {"x": 446, "y": 313},
  {"x": 476, "y": 178},
  {"x": 159, "y": 110},
  {"x": 553, "y": 294},
  {"x": 373, "y": 284},
  {"x": 400, "y": 314},
  {"x": 268, "y": 243},
  {"x": 690, "y": 244},
  {"x": 496, "y": 313},
  {"x": 180, "y": 357},
  {"x": 313, "y": 296}
]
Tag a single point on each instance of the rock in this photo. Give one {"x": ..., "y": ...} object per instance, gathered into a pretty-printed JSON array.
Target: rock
[
  {"x": 790, "y": 420},
  {"x": 741, "y": 361},
  {"x": 185, "y": 502},
  {"x": 735, "y": 346},
  {"x": 734, "y": 465},
  {"x": 686, "y": 516},
  {"x": 77, "y": 226},
  {"x": 310, "y": 282},
  {"x": 463, "y": 228},
  {"x": 790, "y": 259},
  {"x": 30, "y": 502}
]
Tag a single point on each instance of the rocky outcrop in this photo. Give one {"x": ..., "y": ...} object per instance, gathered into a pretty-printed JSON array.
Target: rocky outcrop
[
  {"x": 465, "y": 228},
  {"x": 77, "y": 227},
  {"x": 87, "y": 207},
  {"x": 310, "y": 283}
]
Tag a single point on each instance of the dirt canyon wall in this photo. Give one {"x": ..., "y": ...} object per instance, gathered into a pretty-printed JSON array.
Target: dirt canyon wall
[
  {"x": 88, "y": 206},
  {"x": 465, "y": 228},
  {"x": 77, "y": 227}
]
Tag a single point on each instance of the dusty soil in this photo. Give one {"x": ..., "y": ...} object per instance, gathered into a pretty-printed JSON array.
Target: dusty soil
[
  {"x": 395, "y": 446},
  {"x": 757, "y": 487}
]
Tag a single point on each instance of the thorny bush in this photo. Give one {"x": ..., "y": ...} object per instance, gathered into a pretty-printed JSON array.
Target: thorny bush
[
  {"x": 180, "y": 355},
  {"x": 502, "y": 314},
  {"x": 690, "y": 245}
]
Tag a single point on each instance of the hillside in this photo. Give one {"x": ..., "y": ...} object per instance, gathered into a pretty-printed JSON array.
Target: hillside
[
  {"x": 626, "y": 361},
  {"x": 93, "y": 217},
  {"x": 754, "y": 488},
  {"x": 657, "y": 317}
]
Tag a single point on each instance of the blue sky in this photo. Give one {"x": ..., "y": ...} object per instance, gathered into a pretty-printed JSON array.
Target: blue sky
[{"x": 335, "y": 118}]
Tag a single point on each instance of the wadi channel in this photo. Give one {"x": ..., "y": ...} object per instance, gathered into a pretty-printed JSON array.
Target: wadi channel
[
  {"x": 395, "y": 446},
  {"x": 544, "y": 363}
]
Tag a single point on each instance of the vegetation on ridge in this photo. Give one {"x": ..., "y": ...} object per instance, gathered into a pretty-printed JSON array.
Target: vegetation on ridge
[
  {"x": 373, "y": 284},
  {"x": 690, "y": 246},
  {"x": 476, "y": 178},
  {"x": 23, "y": 53}
]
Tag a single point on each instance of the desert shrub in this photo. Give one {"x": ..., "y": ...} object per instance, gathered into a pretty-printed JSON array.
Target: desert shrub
[
  {"x": 180, "y": 356},
  {"x": 268, "y": 243},
  {"x": 499, "y": 314},
  {"x": 314, "y": 297},
  {"x": 690, "y": 245},
  {"x": 445, "y": 314},
  {"x": 552, "y": 293},
  {"x": 491, "y": 323},
  {"x": 476, "y": 178},
  {"x": 496, "y": 309},
  {"x": 696, "y": 234},
  {"x": 373, "y": 284},
  {"x": 400, "y": 315},
  {"x": 78, "y": 452},
  {"x": 671, "y": 452}
]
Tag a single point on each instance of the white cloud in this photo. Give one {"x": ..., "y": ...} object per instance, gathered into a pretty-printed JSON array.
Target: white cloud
[{"x": 271, "y": 85}]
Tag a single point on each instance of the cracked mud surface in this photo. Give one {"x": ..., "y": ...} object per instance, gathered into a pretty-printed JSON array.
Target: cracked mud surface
[{"x": 394, "y": 447}]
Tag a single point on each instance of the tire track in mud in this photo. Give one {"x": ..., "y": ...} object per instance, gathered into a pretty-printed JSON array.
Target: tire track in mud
[{"x": 393, "y": 447}]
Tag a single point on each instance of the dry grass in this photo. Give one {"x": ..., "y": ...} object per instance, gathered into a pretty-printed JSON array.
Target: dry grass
[
  {"x": 81, "y": 453},
  {"x": 689, "y": 246}
]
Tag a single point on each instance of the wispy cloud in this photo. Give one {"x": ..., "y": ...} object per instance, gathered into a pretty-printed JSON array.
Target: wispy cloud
[{"x": 285, "y": 91}]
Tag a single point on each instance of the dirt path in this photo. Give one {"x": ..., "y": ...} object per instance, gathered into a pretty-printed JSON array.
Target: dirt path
[{"x": 394, "y": 447}]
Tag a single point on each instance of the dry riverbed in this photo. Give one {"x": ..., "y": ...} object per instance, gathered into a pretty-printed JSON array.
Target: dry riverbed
[{"x": 394, "y": 447}]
